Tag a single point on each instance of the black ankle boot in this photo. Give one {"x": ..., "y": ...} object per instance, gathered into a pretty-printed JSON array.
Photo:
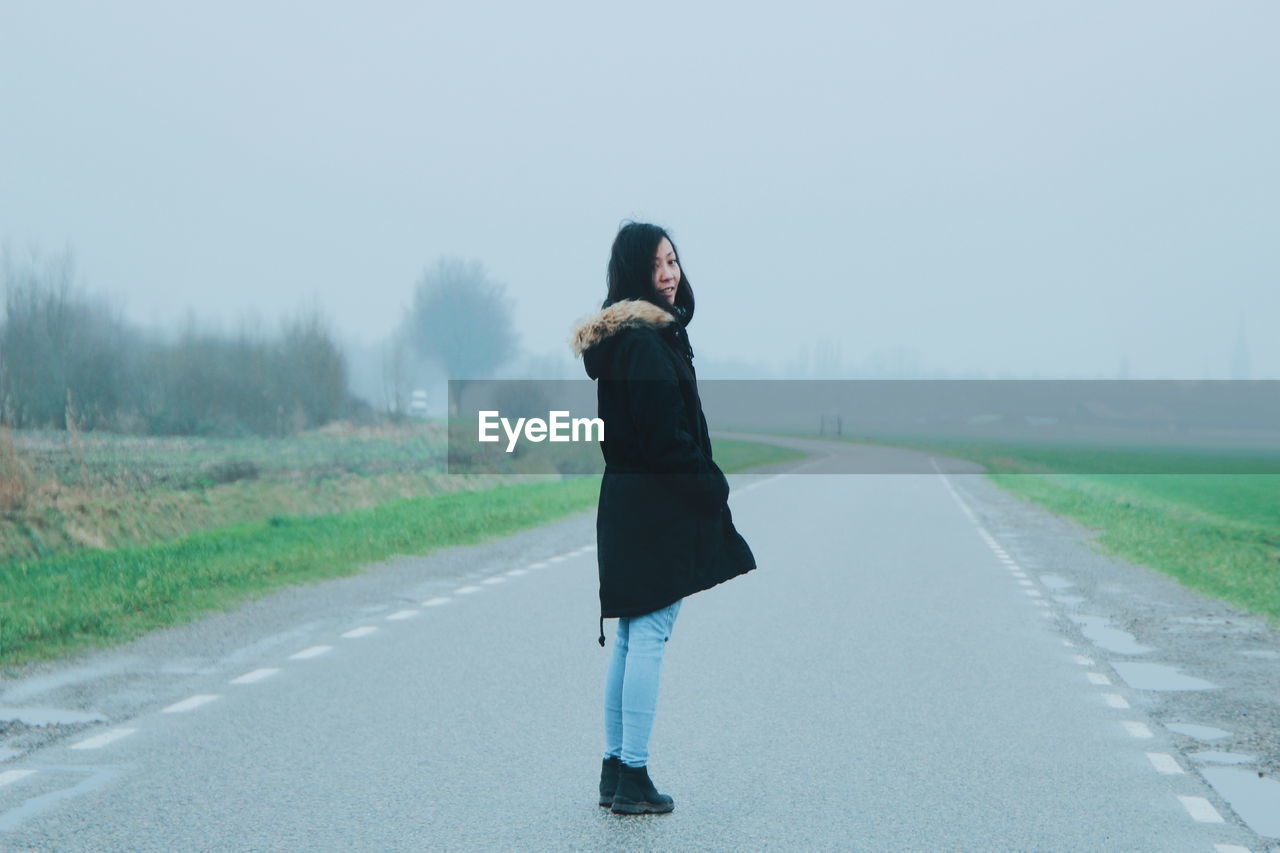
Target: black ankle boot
[
  {"x": 636, "y": 794},
  {"x": 609, "y": 780}
]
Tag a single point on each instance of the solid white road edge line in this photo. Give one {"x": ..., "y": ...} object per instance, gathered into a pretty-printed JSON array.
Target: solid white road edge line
[{"x": 947, "y": 482}]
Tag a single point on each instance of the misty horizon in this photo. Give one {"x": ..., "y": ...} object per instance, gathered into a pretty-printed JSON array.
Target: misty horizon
[{"x": 988, "y": 192}]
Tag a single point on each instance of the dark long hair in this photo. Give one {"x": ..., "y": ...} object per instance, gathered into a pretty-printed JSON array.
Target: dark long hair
[{"x": 631, "y": 270}]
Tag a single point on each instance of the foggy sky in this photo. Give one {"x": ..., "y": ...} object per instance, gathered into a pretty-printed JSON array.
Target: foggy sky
[{"x": 1020, "y": 188}]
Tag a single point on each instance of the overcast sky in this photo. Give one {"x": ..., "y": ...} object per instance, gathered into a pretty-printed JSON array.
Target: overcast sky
[{"x": 1025, "y": 188}]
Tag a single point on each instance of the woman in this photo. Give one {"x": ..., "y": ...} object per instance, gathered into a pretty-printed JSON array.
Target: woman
[{"x": 663, "y": 527}]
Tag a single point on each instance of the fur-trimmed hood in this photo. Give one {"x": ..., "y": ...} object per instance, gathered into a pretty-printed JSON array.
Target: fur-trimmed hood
[{"x": 589, "y": 334}]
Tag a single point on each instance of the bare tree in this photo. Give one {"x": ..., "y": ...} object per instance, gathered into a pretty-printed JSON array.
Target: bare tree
[
  {"x": 462, "y": 320},
  {"x": 71, "y": 360},
  {"x": 55, "y": 341},
  {"x": 393, "y": 374},
  {"x": 312, "y": 368}
]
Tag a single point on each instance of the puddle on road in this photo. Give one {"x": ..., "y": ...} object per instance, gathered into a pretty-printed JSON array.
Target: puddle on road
[
  {"x": 1095, "y": 628},
  {"x": 1223, "y": 757},
  {"x": 1055, "y": 582},
  {"x": 49, "y": 716},
  {"x": 1256, "y": 800},
  {"x": 1159, "y": 676},
  {"x": 1198, "y": 732}
]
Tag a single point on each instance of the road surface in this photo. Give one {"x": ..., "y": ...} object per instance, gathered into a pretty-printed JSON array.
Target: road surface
[{"x": 906, "y": 670}]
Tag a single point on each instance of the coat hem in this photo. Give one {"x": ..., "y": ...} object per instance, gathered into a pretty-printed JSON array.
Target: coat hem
[{"x": 626, "y": 612}]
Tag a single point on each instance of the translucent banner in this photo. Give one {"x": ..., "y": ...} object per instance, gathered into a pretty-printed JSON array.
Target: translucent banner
[{"x": 1063, "y": 426}]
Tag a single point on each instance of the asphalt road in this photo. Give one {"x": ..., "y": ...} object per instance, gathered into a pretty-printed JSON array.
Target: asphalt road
[{"x": 907, "y": 670}]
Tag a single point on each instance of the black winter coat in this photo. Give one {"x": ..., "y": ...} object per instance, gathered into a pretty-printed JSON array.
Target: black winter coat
[{"x": 663, "y": 526}]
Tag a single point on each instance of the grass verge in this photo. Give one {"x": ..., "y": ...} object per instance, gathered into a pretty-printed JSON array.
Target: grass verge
[
  {"x": 1218, "y": 533},
  {"x": 54, "y": 606}
]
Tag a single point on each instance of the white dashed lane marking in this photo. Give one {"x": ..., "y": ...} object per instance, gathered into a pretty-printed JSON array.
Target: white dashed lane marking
[
  {"x": 362, "y": 631},
  {"x": 310, "y": 652},
  {"x": 494, "y": 579},
  {"x": 515, "y": 573},
  {"x": 437, "y": 601},
  {"x": 99, "y": 741},
  {"x": 1115, "y": 700},
  {"x": 10, "y": 776},
  {"x": 255, "y": 676},
  {"x": 190, "y": 703},
  {"x": 466, "y": 590},
  {"x": 538, "y": 565},
  {"x": 1164, "y": 763},
  {"x": 1200, "y": 809},
  {"x": 401, "y": 615},
  {"x": 1137, "y": 729}
]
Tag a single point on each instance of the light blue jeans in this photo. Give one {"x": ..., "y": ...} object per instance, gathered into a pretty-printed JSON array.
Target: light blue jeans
[{"x": 631, "y": 687}]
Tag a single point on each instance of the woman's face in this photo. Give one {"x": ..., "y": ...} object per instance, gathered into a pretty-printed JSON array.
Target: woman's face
[{"x": 666, "y": 271}]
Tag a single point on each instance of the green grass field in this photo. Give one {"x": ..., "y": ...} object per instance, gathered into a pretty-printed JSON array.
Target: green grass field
[
  {"x": 1217, "y": 532},
  {"x": 53, "y": 606}
]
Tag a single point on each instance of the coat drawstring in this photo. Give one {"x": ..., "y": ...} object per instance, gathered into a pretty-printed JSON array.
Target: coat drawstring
[{"x": 602, "y": 631}]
